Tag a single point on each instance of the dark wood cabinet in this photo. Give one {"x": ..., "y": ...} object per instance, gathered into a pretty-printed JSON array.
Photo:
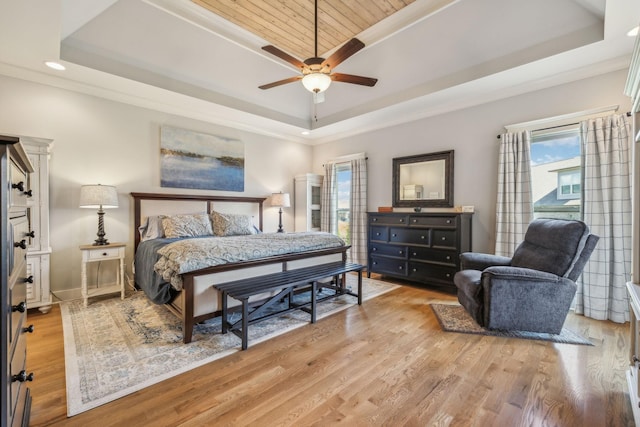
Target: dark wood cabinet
[
  {"x": 14, "y": 235},
  {"x": 421, "y": 247}
]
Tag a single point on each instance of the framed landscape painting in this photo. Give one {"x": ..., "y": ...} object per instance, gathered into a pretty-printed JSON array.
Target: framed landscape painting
[{"x": 200, "y": 161}]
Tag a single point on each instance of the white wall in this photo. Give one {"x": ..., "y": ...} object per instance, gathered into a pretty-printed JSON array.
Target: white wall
[
  {"x": 472, "y": 134},
  {"x": 100, "y": 141}
]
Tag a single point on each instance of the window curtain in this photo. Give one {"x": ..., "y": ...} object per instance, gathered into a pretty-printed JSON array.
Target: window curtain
[
  {"x": 607, "y": 200},
  {"x": 358, "y": 225},
  {"x": 514, "y": 209},
  {"x": 328, "y": 214}
]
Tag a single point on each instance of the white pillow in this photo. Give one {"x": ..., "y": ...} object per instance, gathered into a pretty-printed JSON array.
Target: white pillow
[{"x": 152, "y": 228}]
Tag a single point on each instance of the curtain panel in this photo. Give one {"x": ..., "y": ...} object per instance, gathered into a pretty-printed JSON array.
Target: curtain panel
[
  {"x": 514, "y": 207},
  {"x": 358, "y": 224},
  {"x": 607, "y": 201},
  {"x": 328, "y": 214}
]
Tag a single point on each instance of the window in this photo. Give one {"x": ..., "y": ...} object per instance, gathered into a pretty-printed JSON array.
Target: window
[
  {"x": 343, "y": 213},
  {"x": 556, "y": 173}
]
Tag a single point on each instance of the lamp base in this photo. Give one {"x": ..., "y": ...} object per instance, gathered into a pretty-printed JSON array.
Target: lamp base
[
  {"x": 280, "y": 229},
  {"x": 100, "y": 241}
]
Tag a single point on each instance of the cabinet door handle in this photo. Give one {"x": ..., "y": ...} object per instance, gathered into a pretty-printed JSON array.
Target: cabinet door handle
[
  {"x": 22, "y": 307},
  {"x": 22, "y": 377},
  {"x": 31, "y": 234},
  {"x": 28, "y": 329},
  {"x": 28, "y": 279},
  {"x": 22, "y": 244},
  {"x": 19, "y": 186}
]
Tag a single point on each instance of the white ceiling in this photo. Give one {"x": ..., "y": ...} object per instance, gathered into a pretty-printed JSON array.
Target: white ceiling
[{"x": 174, "y": 56}]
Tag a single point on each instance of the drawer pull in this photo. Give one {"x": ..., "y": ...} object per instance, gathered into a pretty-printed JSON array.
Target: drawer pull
[
  {"x": 401, "y": 220},
  {"x": 374, "y": 249},
  {"x": 400, "y": 252},
  {"x": 448, "y": 221},
  {"x": 31, "y": 234},
  {"x": 422, "y": 237},
  {"x": 28, "y": 329},
  {"x": 375, "y": 263},
  {"x": 22, "y": 244},
  {"x": 415, "y": 220},
  {"x": 22, "y": 307},
  {"x": 447, "y": 275},
  {"x": 374, "y": 219},
  {"x": 414, "y": 270},
  {"x": 19, "y": 186},
  {"x": 448, "y": 258},
  {"x": 377, "y": 234},
  {"x": 444, "y": 238},
  {"x": 394, "y": 234},
  {"x": 28, "y": 279},
  {"x": 22, "y": 377},
  {"x": 415, "y": 254},
  {"x": 400, "y": 268},
  {"x": 104, "y": 254}
]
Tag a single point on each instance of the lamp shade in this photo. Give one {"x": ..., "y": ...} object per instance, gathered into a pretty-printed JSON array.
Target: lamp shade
[
  {"x": 98, "y": 196},
  {"x": 280, "y": 200},
  {"x": 316, "y": 82}
]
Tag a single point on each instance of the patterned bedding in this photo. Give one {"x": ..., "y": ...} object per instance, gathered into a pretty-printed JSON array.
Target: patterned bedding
[{"x": 188, "y": 255}]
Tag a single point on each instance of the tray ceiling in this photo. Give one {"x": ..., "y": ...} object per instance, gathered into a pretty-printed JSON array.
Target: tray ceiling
[{"x": 205, "y": 60}]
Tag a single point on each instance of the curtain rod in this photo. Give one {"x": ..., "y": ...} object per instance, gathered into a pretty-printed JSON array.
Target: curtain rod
[{"x": 628, "y": 114}]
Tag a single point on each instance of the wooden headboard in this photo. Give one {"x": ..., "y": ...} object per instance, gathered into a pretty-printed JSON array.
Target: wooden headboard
[{"x": 174, "y": 201}]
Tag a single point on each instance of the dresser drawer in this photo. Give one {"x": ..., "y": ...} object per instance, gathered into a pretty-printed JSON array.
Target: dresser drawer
[
  {"x": 388, "y": 250},
  {"x": 433, "y": 221},
  {"x": 434, "y": 255},
  {"x": 388, "y": 219},
  {"x": 444, "y": 239},
  {"x": 18, "y": 242},
  {"x": 410, "y": 236},
  {"x": 18, "y": 298},
  {"x": 378, "y": 233},
  {"x": 388, "y": 266},
  {"x": 18, "y": 186},
  {"x": 16, "y": 366},
  {"x": 107, "y": 253},
  {"x": 431, "y": 273}
]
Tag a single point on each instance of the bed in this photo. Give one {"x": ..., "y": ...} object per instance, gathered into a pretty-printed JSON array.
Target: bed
[{"x": 190, "y": 294}]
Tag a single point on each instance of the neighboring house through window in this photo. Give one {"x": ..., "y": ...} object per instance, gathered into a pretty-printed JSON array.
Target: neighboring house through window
[{"x": 556, "y": 173}]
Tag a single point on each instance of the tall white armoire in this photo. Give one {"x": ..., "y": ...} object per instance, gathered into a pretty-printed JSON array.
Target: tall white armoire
[
  {"x": 307, "y": 199},
  {"x": 38, "y": 251}
]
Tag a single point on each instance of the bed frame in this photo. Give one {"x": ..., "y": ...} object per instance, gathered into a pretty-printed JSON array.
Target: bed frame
[{"x": 199, "y": 300}]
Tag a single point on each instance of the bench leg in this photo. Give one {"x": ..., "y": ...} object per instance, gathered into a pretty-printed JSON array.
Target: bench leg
[
  {"x": 359, "y": 287},
  {"x": 314, "y": 287},
  {"x": 245, "y": 323},
  {"x": 225, "y": 313}
]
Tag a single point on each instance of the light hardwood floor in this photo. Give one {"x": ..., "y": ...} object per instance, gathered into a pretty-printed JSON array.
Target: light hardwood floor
[{"x": 386, "y": 362}]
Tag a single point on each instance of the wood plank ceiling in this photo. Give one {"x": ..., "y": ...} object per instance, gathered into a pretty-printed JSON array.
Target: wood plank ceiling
[{"x": 289, "y": 24}]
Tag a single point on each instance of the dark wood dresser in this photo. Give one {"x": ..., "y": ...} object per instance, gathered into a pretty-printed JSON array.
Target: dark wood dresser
[
  {"x": 421, "y": 247},
  {"x": 14, "y": 235}
]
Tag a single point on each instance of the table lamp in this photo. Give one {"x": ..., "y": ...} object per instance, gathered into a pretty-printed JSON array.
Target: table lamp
[
  {"x": 99, "y": 197},
  {"x": 280, "y": 200}
]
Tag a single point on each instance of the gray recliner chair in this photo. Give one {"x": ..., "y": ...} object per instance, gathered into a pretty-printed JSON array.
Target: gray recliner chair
[{"x": 533, "y": 290}]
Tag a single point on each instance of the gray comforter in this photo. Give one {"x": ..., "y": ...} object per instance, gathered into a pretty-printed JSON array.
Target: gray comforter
[{"x": 188, "y": 255}]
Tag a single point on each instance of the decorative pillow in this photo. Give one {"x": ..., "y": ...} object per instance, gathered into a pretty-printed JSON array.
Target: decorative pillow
[
  {"x": 231, "y": 224},
  {"x": 152, "y": 228},
  {"x": 187, "y": 225}
]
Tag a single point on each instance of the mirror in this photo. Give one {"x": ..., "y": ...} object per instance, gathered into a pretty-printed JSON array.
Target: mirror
[{"x": 425, "y": 180}]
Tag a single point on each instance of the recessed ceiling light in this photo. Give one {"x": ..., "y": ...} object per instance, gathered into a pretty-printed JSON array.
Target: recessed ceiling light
[
  {"x": 305, "y": 132},
  {"x": 55, "y": 65},
  {"x": 633, "y": 32}
]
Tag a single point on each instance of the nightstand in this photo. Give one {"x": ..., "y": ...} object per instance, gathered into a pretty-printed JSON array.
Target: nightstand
[{"x": 110, "y": 252}]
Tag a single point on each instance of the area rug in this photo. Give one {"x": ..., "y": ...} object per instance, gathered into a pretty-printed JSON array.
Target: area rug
[
  {"x": 115, "y": 347},
  {"x": 454, "y": 318}
]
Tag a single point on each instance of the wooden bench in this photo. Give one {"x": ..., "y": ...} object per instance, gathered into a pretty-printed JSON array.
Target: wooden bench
[{"x": 286, "y": 282}]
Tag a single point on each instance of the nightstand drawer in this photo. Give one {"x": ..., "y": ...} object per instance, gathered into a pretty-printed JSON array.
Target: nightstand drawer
[{"x": 105, "y": 253}]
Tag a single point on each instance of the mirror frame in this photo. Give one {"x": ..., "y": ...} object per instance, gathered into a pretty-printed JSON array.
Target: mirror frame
[{"x": 447, "y": 201}]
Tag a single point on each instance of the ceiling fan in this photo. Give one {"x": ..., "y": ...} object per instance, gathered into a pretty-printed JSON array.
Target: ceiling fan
[{"x": 316, "y": 72}]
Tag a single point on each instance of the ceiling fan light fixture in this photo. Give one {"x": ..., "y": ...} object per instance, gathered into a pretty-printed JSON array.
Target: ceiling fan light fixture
[{"x": 316, "y": 82}]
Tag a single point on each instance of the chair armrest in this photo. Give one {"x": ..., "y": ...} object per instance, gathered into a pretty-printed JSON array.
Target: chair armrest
[
  {"x": 521, "y": 274},
  {"x": 480, "y": 261}
]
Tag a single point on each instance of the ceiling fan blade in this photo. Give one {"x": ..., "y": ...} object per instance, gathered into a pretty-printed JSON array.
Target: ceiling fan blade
[
  {"x": 347, "y": 49},
  {"x": 349, "y": 78},
  {"x": 284, "y": 56},
  {"x": 280, "y": 82}
]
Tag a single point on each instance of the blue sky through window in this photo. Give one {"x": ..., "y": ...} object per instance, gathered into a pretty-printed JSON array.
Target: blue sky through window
[{"x": 552, "y": 150}]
